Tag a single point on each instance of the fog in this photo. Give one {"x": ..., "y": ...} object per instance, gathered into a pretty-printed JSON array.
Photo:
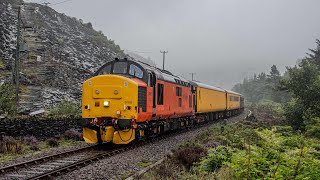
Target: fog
[{"x": 221, "y": 41}]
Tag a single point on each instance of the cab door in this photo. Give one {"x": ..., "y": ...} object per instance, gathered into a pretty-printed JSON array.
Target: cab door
[{"x": 152, "y": 83}]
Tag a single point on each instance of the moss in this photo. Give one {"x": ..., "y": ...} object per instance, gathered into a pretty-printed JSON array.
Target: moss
[
  {"x": 2, "y": 65},
  {"x": 145, "y": 163},
  {"x": 126, "y": 175}
]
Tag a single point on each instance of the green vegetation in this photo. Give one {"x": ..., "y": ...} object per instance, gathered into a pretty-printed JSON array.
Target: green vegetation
[
  {"x": 303, "y": 82},
  {"x": 66, "y": 108},
  {"x": 2, "y": 65},
  {"x": 7, "y": 99},
  {"x": 297, "y": 91},
  {"x": 256, "y": 153},
  {"x": 281, "y": 140},
  {"x": 244, "y": 151},
  {"x": 145, "y": 163},
  {"x": 263, "y": 87}
]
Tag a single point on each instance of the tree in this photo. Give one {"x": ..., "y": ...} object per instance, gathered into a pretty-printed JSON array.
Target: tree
[
  {"x": 304, "y": 83},
  {"x": 274, "y": 74},
  {"x": 262, "y": 76}
]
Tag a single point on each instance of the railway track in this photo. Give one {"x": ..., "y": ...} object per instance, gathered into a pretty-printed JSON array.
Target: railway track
[
  {"x": 56, "y": 165},
  {"x": 38, "y": 165}
]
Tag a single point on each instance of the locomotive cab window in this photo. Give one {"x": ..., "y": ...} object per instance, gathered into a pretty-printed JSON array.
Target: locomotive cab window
[
  {"x": 160, "y": 94},
  {"x": 120, "y": 67},
  {"x": 135, "y": 71},
  {"x": 105, "y": 70}
]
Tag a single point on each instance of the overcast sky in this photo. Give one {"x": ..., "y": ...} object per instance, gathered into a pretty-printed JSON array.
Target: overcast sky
[{"x": 222, "y": 41}]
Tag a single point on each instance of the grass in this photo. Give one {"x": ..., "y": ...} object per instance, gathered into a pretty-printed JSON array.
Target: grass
[
  {"x": 145, "y": 163},
  {"x": 126, "y": 175}
]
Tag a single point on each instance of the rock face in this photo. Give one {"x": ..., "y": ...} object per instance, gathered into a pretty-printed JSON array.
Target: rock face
[{"x": 57, "y": 53}]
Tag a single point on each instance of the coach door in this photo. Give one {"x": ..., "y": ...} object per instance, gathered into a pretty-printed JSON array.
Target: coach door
[{"x": 152, "y": 83}]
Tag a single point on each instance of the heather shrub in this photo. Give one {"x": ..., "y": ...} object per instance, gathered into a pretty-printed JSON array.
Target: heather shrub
[
  {"x": 10, "y": 145},
  {"x": 52, "y": 142},
  {"x": 73, "y": 134},
  {"x": 189, "y": 153},
  {"x": 32, "y": 142}
]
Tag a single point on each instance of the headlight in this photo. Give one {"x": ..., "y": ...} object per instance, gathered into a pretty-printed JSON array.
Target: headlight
[{"x": 106, "y": 103}]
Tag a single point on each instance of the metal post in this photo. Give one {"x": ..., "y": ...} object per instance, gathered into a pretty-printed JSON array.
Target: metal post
[
  {"x": 17, "y": 58},
  {"x": 164, "y": 56},
  {"x": 192, "y": 76}
]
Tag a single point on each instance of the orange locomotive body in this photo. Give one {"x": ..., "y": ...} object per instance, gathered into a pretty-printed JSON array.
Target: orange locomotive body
[{"x": 129, "y": 100}]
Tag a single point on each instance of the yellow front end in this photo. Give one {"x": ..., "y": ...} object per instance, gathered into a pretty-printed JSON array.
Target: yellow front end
[{"x": 109, "y": 100}]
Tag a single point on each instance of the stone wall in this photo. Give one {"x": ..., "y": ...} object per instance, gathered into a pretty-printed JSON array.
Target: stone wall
[{"x": 40, "y": 127}]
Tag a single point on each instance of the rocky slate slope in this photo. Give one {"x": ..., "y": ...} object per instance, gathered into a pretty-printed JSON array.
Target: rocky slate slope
[{"x": 58, "y": 54}]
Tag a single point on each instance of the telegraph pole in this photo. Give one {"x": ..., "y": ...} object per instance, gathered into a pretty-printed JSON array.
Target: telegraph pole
[
  {"x": 192, "y": 76},
  {"x": 17, "y": 57},
  {"x": 164, "y": 56}
]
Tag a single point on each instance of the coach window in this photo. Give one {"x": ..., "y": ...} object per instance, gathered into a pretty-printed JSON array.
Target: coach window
[
  {"x": 160, "y": 94},
  {"x": 135, "y": 71},
  {"x": 105, "y": 70},
  {"x": 120, "y": 67},
  {"x": 180, "y": 102}
]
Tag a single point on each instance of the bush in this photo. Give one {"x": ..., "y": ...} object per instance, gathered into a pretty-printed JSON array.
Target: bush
[
  {"x": 66, "y": 108},
  {"x": 10, "y": 145},
  {"x": 32, "y": 142},
  {"x": 283, "y": 130},
  {"x": 52, "y": 142},
  {"x": 7, "y": 99},
  {"x": 216, "y": 158},
  {"x": 73, "y": 134},
  {"x": 313, "y": 128},
  {"x": 166, "y": 170},
  {"x": 270, "y": 106},
  {"x": 189, "y": 153},
  {"x": 294, "y": 111}
]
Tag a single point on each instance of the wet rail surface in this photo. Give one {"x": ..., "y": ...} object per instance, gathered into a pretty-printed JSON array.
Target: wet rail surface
[{"x": 58, "y": 164}]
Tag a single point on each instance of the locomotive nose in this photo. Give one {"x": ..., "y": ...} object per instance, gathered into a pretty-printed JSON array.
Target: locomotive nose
[
  {"x": 109, "y": 96},
  {"x": 107, "y": 99}
]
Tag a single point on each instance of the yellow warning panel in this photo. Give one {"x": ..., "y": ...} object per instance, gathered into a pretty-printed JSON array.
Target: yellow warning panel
[
  {"x": 90, "y": 136},
  {"x": 123, "y": 137}
]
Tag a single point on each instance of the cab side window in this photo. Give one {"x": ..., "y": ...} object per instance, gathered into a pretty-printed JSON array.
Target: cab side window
[
  {"x": 135, "y": 71},
  {"x": 160, "y": 94},
  {"x": 105, "y": 70}
]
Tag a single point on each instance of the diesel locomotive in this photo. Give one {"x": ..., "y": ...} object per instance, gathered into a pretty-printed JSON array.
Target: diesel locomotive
[{"x": 129, "y": 100}]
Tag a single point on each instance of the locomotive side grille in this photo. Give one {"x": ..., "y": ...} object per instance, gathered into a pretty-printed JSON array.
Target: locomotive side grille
[{"x": 142, "y": 98}]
